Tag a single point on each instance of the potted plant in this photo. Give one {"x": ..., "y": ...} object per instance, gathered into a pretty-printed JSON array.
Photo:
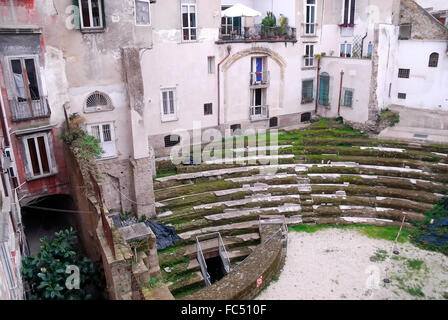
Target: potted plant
[{"x": 268, "y": 23}]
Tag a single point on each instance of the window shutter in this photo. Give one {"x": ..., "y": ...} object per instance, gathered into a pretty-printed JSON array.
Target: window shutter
[
  {"x": 345, "y": 22},
  {"x": 324, "y": 90},
  {"x": 103, "y": 12},
  {"x": 352, "y": 12},
  {"x": 76, "y": 14}
]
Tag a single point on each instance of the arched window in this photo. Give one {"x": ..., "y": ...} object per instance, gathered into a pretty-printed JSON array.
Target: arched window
[
  {"x": 324, "y": 89},
  {"x": 434, "y": 60},
  {"x": 98, "y": 101}
]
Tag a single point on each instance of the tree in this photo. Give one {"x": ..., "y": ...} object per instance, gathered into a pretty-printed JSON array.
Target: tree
[{"x": 46, "y": 272}]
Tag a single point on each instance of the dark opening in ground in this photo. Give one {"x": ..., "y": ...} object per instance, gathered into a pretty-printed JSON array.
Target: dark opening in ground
[
  {"x": 39, "y": 222},
  {"x": 215, "y": 269}
]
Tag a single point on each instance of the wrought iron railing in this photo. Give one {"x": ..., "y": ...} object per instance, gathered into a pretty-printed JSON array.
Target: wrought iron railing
[
  {"x": 29, "y": 109},
  {"x": 223, "y": 254},
  {"x": 260, "y": 33},
  {"x": 259, "y": 112},
  {"x": 259, "y": 78},
  {"x": 202, "y": 263}
]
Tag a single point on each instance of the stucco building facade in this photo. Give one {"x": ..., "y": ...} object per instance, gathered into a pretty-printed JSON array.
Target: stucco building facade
[{"x": 138, "y": 70}]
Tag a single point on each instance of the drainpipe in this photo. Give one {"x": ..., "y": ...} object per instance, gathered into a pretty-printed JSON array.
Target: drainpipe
[
  {"x": 340, "y": 92},
  {"x": 229, "y": 48},
  {"x": 362, "y": 44},
  {"x": 317, "y": 84}
]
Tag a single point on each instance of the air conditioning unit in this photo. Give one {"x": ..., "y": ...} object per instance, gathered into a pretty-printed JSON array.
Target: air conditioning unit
[{"x": 8, "y": 162}]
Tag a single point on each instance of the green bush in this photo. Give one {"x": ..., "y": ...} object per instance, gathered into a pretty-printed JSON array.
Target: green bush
[
  {"x": 46, "y": 274},
  {"x": 269, "y": 21},
  {"x": 389, "y": 117}
]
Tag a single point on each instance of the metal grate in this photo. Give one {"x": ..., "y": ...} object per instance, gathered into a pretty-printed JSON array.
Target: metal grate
[
  {"x": 171, "y": 140},
  {"x": 433, "y": 60},
  {"x": 404, "y": 73},
  {"x": 98, "y": 101},
  {"x": 357, "y": 47},
  {"x": 208, "y": 108}
]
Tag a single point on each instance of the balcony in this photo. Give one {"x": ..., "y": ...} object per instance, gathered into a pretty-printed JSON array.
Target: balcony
[
  {"x": 258, "y": 33},
  {"x": 259, "y": 113},
  {"x": 29, "y": 109},
  {"x": 259, "y": 79}
]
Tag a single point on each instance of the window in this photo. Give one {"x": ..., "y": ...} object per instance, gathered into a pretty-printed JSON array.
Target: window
[
  {"x": 401, "y": 95},
  {"x": 405, "y": 32},
  {"x": 188, "y": 10},
  {"x": 259, "y": 75},
  {"x": 91, "y": 14},
  {"x": 349, "y": 13},
  {"x": 307, "y": 91},
  {"x": 370, "y": 50},
  {"x": 106, "y": 135},
  {"x": 258, "y": 109},
  {"x": 324, "y": 89},
  {"x": 211, "y": 65},
  {"x": 208, "y": 109},
  {"x": 347, "y": 97},
  {"x": 433, "y": 60},
  {"x": 309, "y": 55},
  {"x": 346, "y": 50},
  {"x": 38, "y": 158},
  {"x": 230, "y": 25},
  {"x": 142, "y": 13},
  {"x": 168, "y": 102},
  {"x": 273, "y": 122},
  {"x": 25, "y": 87},
  {"x": 98, "y": 101},
  {"x": 404, "y": 73},
  {"x": 171, "y": 140},
  {"x": 310, "y": 17}
]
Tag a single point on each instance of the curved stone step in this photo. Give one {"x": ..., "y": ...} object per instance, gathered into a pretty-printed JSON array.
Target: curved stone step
[
  {"x": 254, "y": 199},
  {"x": 234, "y": 226},
  {"x": 227, "y": 171},
  {"x": 287, "y": 208}
]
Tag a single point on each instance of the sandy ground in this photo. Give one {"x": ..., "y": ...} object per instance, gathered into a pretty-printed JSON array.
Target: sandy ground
[{"x": 336, "y": 264}]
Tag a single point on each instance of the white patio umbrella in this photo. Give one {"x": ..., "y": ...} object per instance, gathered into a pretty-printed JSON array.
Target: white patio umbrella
[{"x": 240, "y": 10}]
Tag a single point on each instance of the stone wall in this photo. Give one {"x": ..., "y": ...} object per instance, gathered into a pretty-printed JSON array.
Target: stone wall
[
  {"x": 88, "y": 215},
  {"x": 424, "y": 25},
  {"x": 241, "y": 283}
]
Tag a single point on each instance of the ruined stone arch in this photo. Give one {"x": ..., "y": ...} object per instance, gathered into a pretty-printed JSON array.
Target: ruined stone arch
[
  {"x": 247, "y": 53},
  {"x": 253, "y": 51}
]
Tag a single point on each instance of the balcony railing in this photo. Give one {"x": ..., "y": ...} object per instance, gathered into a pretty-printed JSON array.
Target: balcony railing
[
  {"x": 29, "y": 109},
  {"x": 259, "y": 113},
  {"x": 259, "y": 78},
  {"x": 259, "y": 33}
]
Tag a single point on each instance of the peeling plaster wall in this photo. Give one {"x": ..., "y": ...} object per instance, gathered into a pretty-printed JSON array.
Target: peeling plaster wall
[
  {"x": 354, "y": 69},
  {"x": 75, "y": 64},
  {"x": 426, "y": 87}
]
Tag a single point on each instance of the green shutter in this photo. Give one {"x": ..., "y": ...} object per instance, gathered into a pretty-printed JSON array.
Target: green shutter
[
  {"x": 324, "y": 90},
  {"x": 103, "y": 11},
  {"x": 76, "y": 15}
]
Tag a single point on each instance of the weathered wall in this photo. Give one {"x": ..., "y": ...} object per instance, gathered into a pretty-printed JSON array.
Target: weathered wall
[
  {"x": 241, "y": 283},
  {"x": 424, "y": 25},
  {"x": 354, "y": 69},
  {"x": 426, "y": 87}
]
